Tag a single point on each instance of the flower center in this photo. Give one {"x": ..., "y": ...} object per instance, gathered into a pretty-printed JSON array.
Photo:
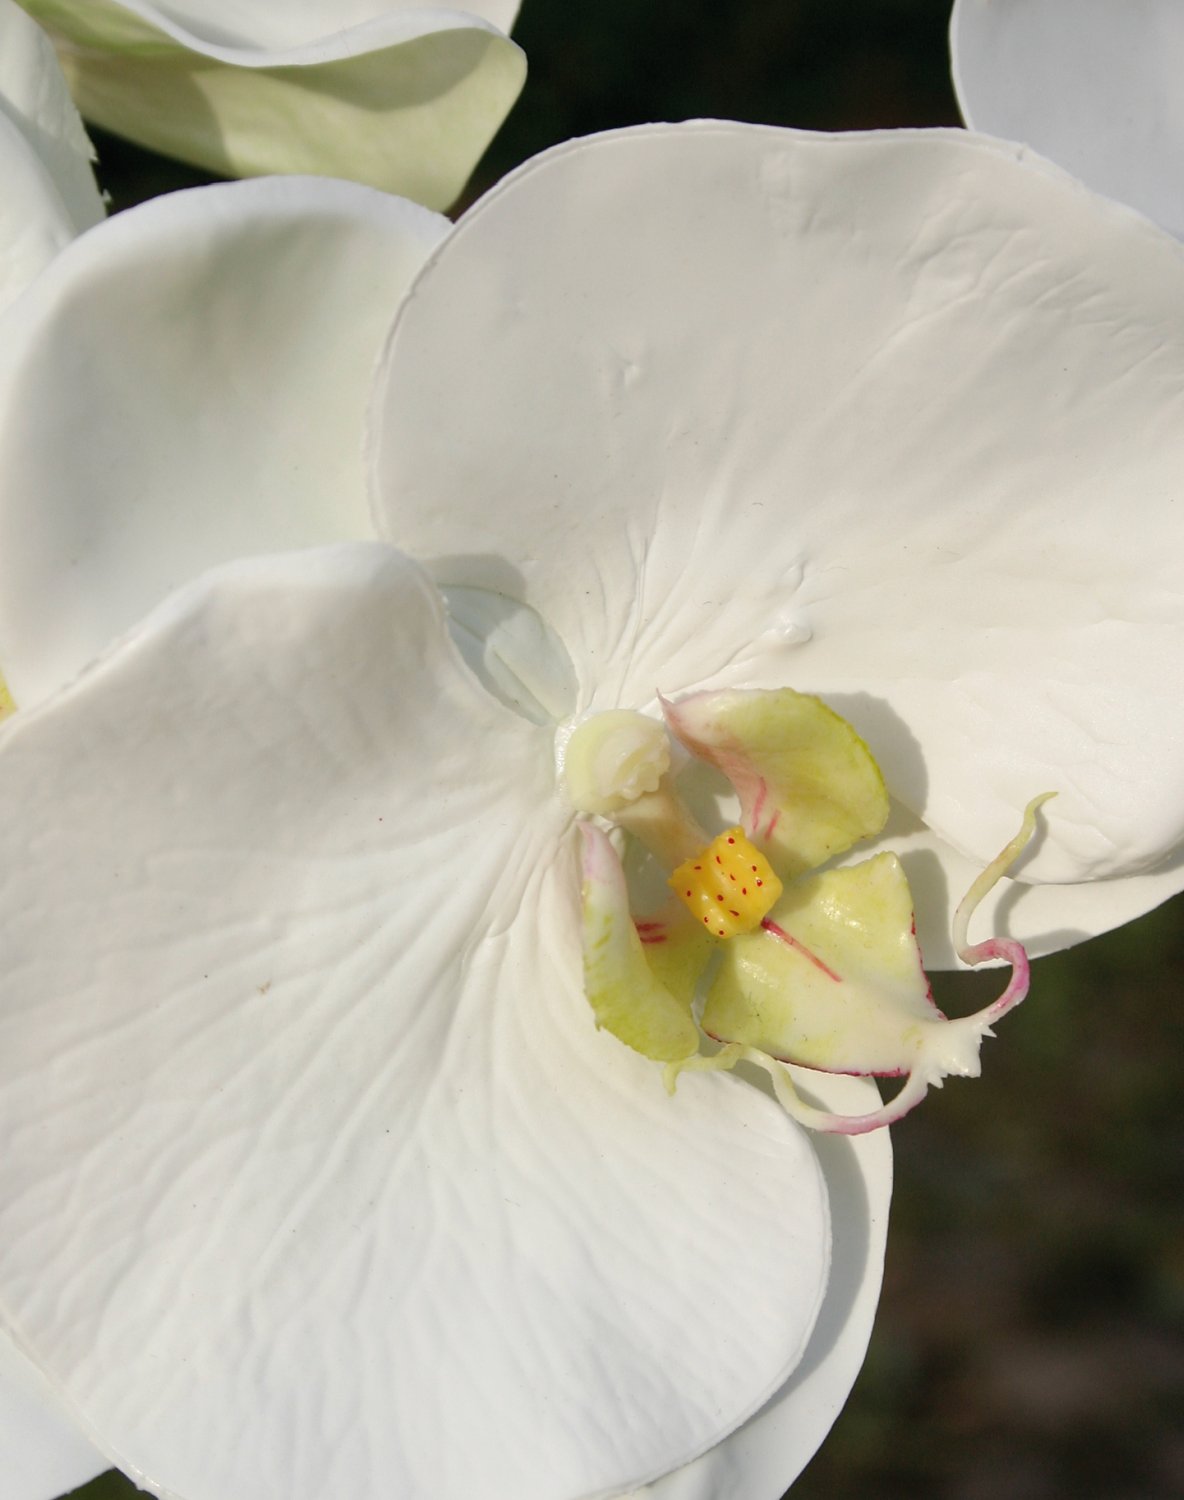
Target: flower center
[{"x": 730, "y": 887}]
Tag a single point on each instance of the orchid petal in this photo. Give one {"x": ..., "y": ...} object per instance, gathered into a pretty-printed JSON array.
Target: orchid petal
[
  {"x": 34, "y": 98},
  {"x": 34, "y": 226},
  {"x": 49, "y": 189},
  {"x": 807, "y": 784},
  {"x": 627, "y": 999},
  {"x": 206, "y": 357},
  {"x": 1092, "y": 84},
  {"x": 291, "y": 1022},
  {"x": 400, "y": 96},
  {"x": 770, "y": 1450},
  {"x": 44, "y": 1453},
  {"x": 856, "y": 414}
]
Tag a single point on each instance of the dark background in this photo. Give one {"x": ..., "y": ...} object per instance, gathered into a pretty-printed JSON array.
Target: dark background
[{"x": 1029, "y": 1344}]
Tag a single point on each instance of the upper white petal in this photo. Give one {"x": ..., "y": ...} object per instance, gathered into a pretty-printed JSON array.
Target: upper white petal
[
  {"x": 318, "y": 1180},
  {"x": 898, "y": 419},
  {"x": 185, "y": 385},
  {"x": 401, "y": 96},
  {"x": 1094, "y": 84},
  {"x": 44, "y": 1452}
]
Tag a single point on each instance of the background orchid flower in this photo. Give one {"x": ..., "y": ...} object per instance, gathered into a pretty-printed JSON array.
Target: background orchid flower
[
  {"x": 1093, "y": 84},
  {"x": 751, "y": 408},
  {"x": 49, "y": 189},
  {"x": 401, "y": 95}
]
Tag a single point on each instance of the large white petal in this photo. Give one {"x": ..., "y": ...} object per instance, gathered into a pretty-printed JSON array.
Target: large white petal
[
  {"x": 403, "y": 97},
  {"x": 898, "y": 419},
  {"x": 42, "y": 1452},
  {"x": 185, "y": 385},
  {"x": 1094, "y": 84},
  {"x": 764, "y": 1456},
  {"x": 35, "y": 99},
  {"x": 318, "y": 1179}
]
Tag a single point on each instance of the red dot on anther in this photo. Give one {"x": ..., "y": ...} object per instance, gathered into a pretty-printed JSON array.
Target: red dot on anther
[
  {"x": 718, "y": 860},
  {"x": 754, "y": 869},
  {"x": 744, "y": 890},
  {"x": 734, "y": 913},
  {"x": 731, "y": 877},
  {"x": 688, "y": 893},
  {"x": 721, "y": 932},
  {"x": 731, "y": 841},
  {"x": 759, "y": 884}
]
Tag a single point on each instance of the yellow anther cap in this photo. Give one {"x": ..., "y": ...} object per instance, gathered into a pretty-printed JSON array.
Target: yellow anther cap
[{"x": 730, "y": 887}]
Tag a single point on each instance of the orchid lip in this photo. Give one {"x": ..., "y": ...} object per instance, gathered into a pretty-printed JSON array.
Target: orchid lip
[{"x": 823, "y": 971}]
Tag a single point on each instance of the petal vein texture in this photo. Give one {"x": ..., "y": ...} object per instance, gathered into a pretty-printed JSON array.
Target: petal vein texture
[
  {"x": 897, "y": 420},
  {"x": 319, "y": 1181}
]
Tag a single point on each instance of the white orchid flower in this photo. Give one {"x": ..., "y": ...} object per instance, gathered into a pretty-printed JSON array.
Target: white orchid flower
[
  {"x": 403, "y": 95},
  {"x": 49, "y": 189},
  {"x": 1093, "y": 84},
  {"x": 322, "y": 1180}
]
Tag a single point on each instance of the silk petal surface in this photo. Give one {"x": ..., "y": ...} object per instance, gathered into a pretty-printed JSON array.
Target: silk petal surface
[
  {"x": 320, "y": 1180},
  {"x": 187, "y": 385},
  {"x": 868, "y": 416}
]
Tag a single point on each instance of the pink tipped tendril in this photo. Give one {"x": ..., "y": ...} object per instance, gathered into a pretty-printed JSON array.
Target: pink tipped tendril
[{"x": 928, "y": 1072}]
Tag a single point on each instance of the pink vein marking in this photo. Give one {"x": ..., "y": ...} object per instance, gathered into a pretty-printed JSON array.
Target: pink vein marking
[
  {"x": 773, "y": 822},
  {"x": 791, "y": 942},
  {"x": 758, "y": 804},
  {"x": 651, "y": 932}
]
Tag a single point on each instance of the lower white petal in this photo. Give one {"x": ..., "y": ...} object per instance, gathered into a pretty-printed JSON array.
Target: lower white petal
[
  {"x": 1093, "y": 84},
  {"x": 760, "y": 1459},
  {"x": 318, "y": 1180},
  {"x": 185, "y": 385}
]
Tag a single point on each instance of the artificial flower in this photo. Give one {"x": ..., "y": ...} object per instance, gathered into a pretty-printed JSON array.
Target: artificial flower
[
  {"x": 321, "y": 1179},
  {"x": 1093, "y": 84},
  {"x": 399, "y": 95},
  {"x": 49, "y": 187}
]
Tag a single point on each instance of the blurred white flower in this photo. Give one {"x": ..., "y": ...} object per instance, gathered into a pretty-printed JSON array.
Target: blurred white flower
[
  {"x": 49, "y": 189},
  {"x": 404, "y": 96},
  {"x": 1093, "y": 84}
]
